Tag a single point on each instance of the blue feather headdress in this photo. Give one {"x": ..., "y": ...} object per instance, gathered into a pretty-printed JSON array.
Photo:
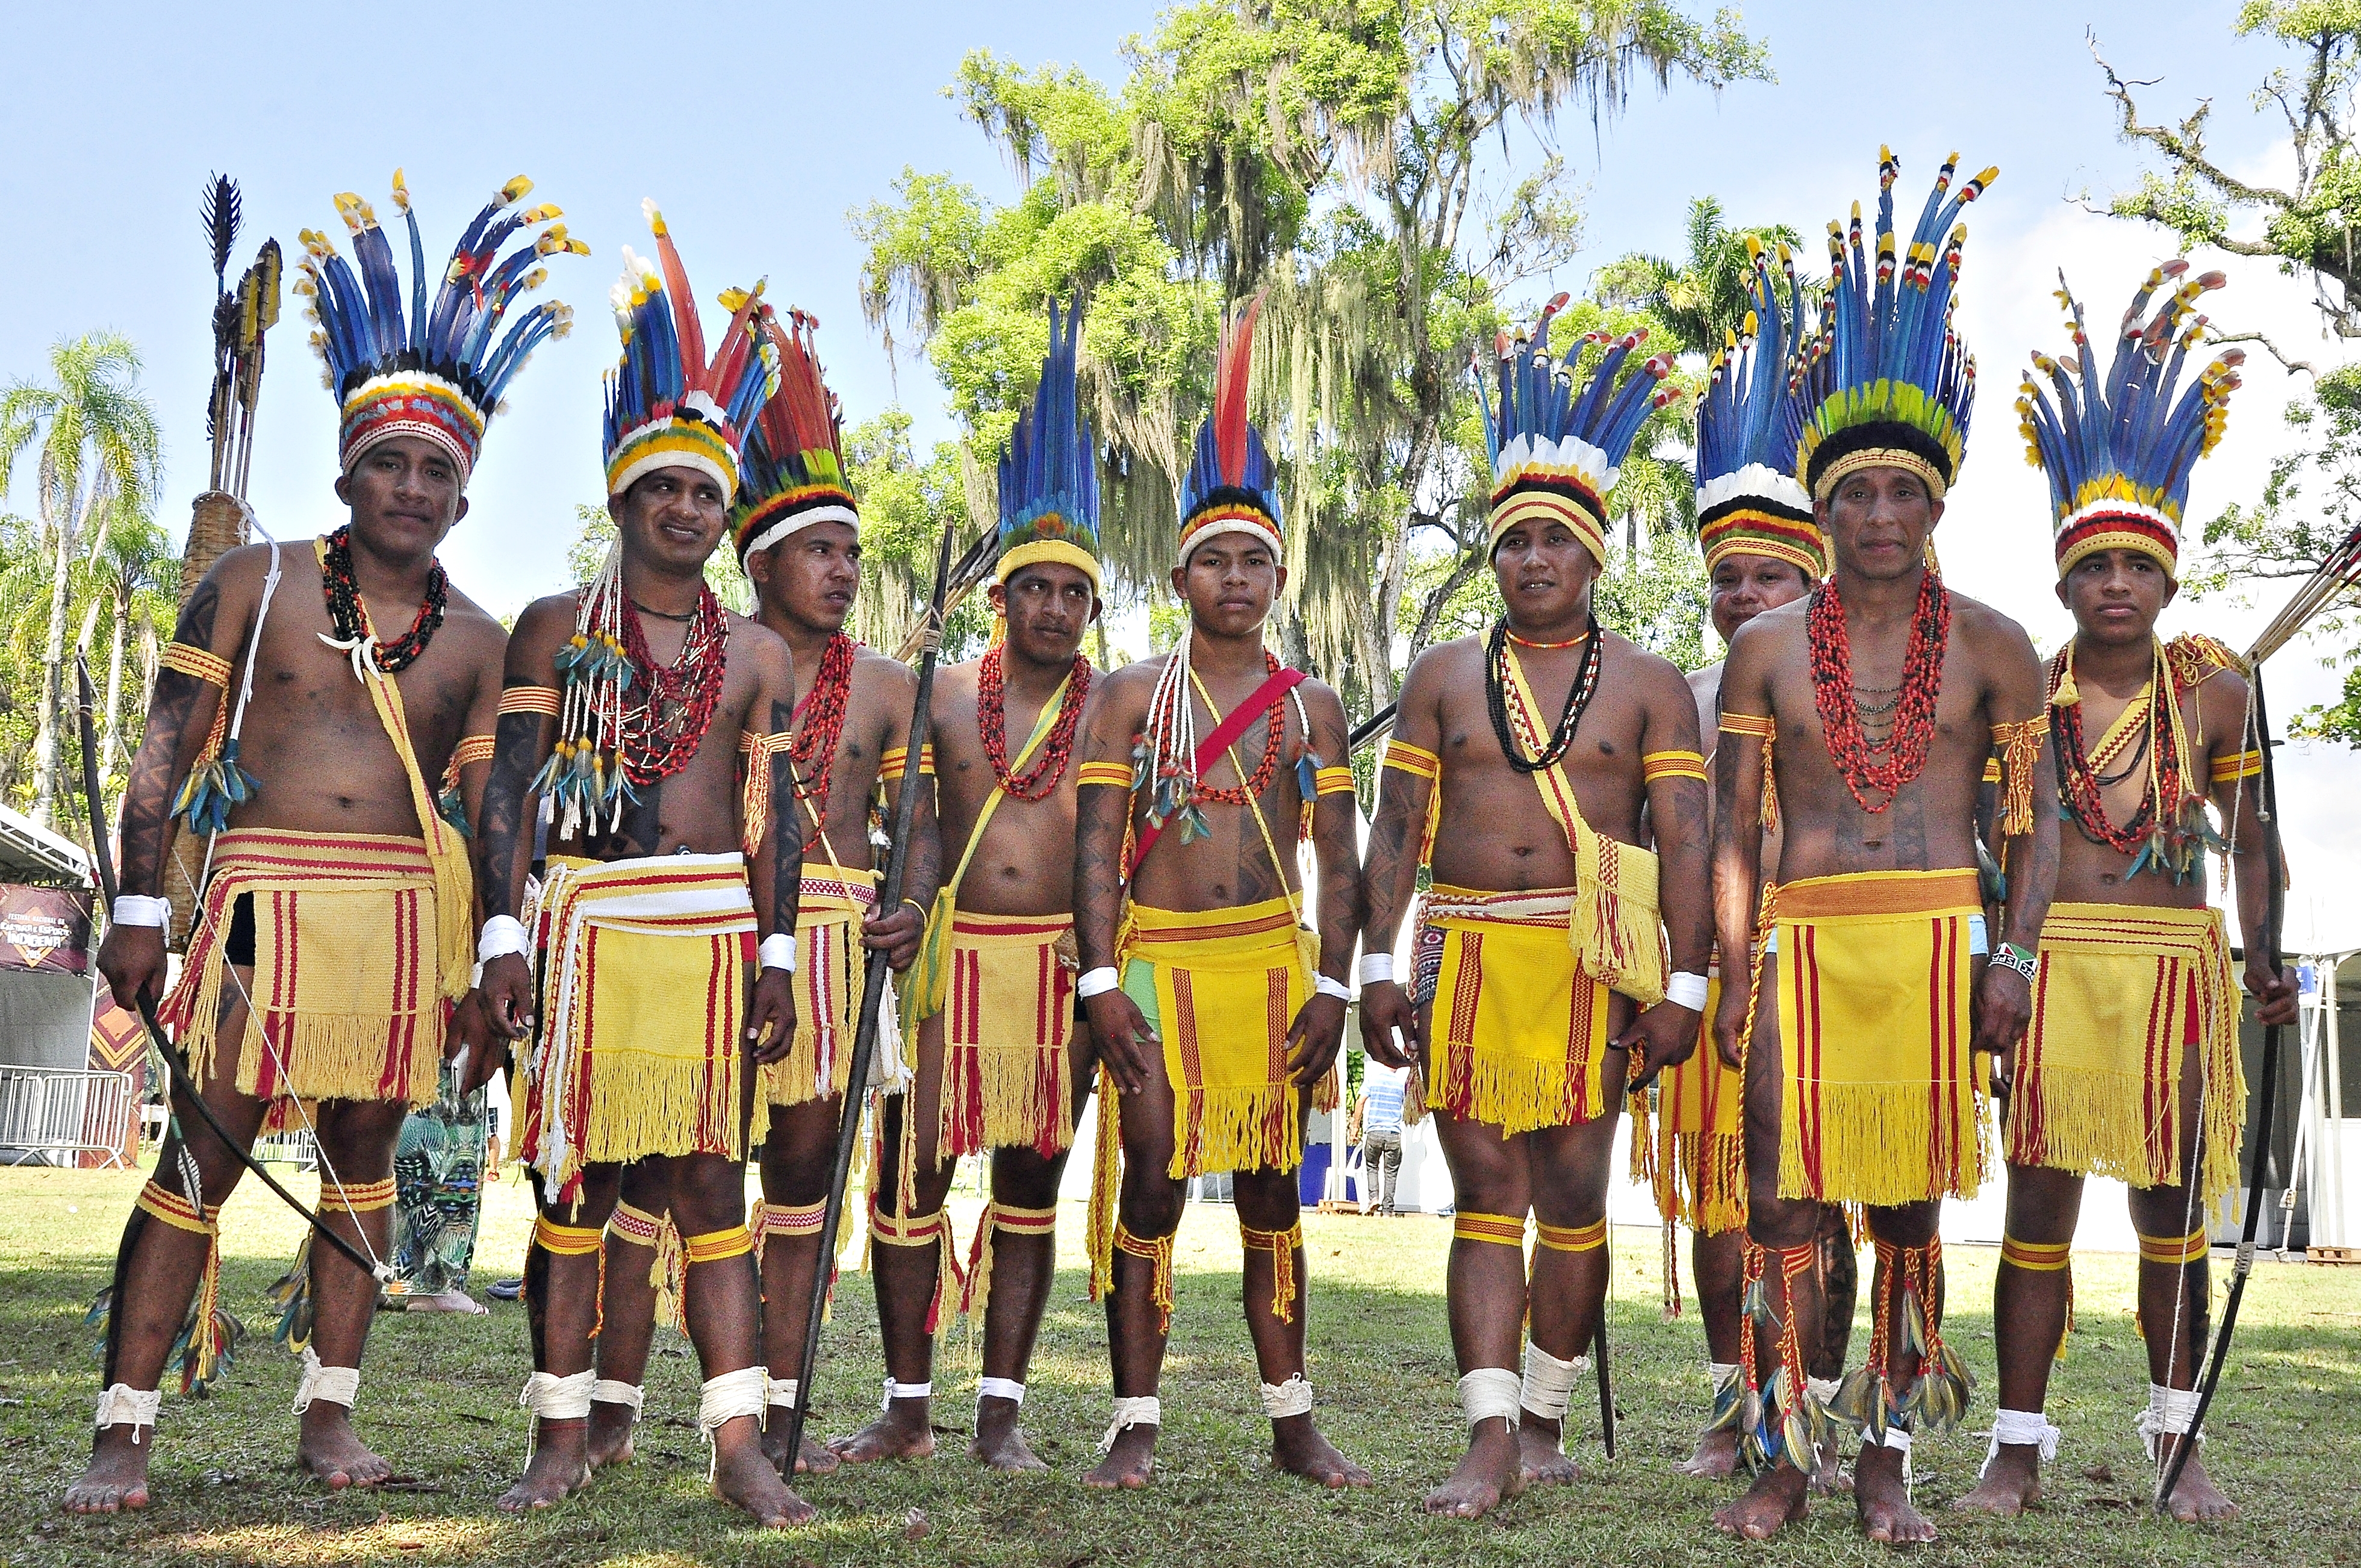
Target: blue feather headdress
[
  {"x": 438, "y": 374},
  {"x": 792, "y": 461},
  {"x": 2120, "y": 453},
  {"x": 1231, "y": 486},
  {"x": 1049, "y": 475},
  {"x": 1748, "y": 502},
  {"x": 1557, "y": 439},
  {"x": 1886, "y": 382}
]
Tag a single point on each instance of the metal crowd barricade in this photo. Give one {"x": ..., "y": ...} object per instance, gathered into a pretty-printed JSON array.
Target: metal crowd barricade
[{"x": 55, "y": 1116}]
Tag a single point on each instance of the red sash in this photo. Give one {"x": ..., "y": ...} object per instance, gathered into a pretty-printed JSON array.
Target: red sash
[{"x": 1210, "y": 749}]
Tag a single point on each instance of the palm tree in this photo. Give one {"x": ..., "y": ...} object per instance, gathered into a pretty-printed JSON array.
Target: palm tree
[
  {"x": 100, "y": 452},
  {"x": 1701, "y": 298},
  {"x": 135, "y": 575}
]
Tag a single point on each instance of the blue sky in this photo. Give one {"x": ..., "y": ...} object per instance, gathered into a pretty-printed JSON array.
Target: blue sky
[{"x": 757, "y": 130}]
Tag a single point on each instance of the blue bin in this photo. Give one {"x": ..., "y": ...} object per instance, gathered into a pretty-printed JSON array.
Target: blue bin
[{"x": 1312, "y": 1176}]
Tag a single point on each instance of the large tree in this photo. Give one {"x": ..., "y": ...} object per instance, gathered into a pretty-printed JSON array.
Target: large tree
[
  {"x": 1335, "y": 157},
  {"x": 99, "y": 453},
  {"x": 2311, "y": 224}
]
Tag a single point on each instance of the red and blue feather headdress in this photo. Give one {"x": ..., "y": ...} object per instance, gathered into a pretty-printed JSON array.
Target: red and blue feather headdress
[
  {"x": 793, "y": 461},
  {"x": 1232, "y": 483}
]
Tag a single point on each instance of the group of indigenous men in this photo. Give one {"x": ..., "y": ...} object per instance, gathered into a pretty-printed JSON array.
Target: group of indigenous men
[{"x": 1808, "y": 908}]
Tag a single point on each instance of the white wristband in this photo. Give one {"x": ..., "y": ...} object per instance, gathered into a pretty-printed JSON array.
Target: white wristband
[
  {"x": 778, "y": 951},
  {"x": 1377, "y": 968},
  {"x": 502, "y": 935},
  {"x": 136, "y": 909},
  {"x": 1686, "y": 991},
  {"x": 1094, "y": 982},
  {"x": 1324, "y": 986}
]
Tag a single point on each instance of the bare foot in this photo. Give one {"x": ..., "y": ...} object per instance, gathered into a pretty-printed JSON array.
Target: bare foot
[
  {"x": 2195, "y": 1499},
  {"x": 117, "y": 1478},
  {"x": 744, "y": 1475},
  {"x": 1488, "y": 1474},
  {"x": 1540, "y": 1452},
  {"x": 2011, "y": 1482},
  {"x": 999, "y": 1441},
  {"x": 1128, "y": 1464},
  {"x": 560, "y": 1466},
  {"x": 1297, "y": 1447},
  {"x": 1716, "y": 1456},
  {"x": 906, "y": 1431},
  {"x": 1776, "y": 1499},
  {"x": 610, "y": 1433},
  {"x": 1882, "y": 1501},
  {"x": 332, "y": 1452},
  {"x": 815, "y": 1459}
]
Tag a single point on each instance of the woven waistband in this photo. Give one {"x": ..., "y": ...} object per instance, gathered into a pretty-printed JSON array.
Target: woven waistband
[{"x": 1880, "y": 893}]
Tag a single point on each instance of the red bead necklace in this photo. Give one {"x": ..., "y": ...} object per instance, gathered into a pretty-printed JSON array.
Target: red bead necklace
[
  {"x": 349, "y": 617},
  {"x": 819, "y": 722},
  {"x": 663, "y": 727},
  {"x": 991, "y": 717},
  {"x": 2078, "y": 781},
  {"x": 1274, "y": 741},
  {"x": 1889, "y": 765}
]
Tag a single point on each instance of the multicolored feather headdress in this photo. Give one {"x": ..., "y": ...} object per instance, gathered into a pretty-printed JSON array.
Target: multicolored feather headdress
[
  {"x": 1886, "y": 382},
  {"x": 437, "y": 374},
  {"x": 1049, "y": 475},
  {"x": 2120, "y": 454},
  {"x": 1748, "y": 502},
  {"x": 667, "y": 406},
  {"x": 1232, "y": 483},
  {"x": 1557, "y": 439},
  {"x": 794, "y": 457}
]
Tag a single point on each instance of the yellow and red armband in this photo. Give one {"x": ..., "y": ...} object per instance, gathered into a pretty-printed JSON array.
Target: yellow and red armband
[{"x": 1672, "y": 765}]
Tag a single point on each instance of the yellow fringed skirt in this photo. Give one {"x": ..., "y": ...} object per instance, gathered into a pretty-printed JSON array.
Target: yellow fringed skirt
[
  {"x": 1700, "y": 1154},
  {"x": 831, "y": 905},
  {"x": 2125, "y": 993},
  {"x": 1009, "y": 1017},
  {"x": 1882, "y": 1103},
  {"x": 1521, "y": 1031}
]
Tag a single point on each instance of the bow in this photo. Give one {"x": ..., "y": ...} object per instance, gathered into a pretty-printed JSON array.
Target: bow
[
  {"x": 873, "y": 999},
  {"x": 184, "y": 1087}
]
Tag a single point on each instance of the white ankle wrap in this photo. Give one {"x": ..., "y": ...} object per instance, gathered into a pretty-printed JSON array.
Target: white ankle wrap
[
  {"x": 124, "y": 1406},
  {"x": 1293, "y": 1397},
  {"x": 1548, "y": 1386},
  {"x": 905, "y": 1391},
  {"x": 2170, "y": 1412},
  {"x": 1491, "y": 1393},
  {"x": 1006, "y": 1389},
  {"x": 1724, "y": 1373},
  {"x": 1142, "y": 1410},
  {"x": 554, "y": 1399},
  {"x": 725, "y": 1398},
  {"x": 336, "y": 1384},
  {"x": 614, "y": 1391},
  {"x": 2021, "y": 1428},
  {"x": 780, "y": 1391}
]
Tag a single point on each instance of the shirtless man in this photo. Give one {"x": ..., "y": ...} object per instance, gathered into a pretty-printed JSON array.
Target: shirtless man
[
  {"x": 796, "y": 532},
  {"x": 1761, "y": 550},
  {"x": 1547, "y": 741},
  {"x": 2136, "y": 1010},
  {"x": 1203, "y": 1001},
  {"x": 653, "y": 898},
  {"x": 1871, "y": 1006},
  {"x": 1001, "y": 1065},
  {"x": 321, "y": 800}
]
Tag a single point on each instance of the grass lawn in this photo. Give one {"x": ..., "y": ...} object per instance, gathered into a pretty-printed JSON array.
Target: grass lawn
[{"x": 439, "y": 1396}]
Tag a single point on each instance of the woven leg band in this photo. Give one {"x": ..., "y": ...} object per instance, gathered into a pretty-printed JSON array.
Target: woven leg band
[
  {"x": 2174, "y": 1250},
  {"x": 924, "y": 1230},
  {"x": 1159, "y": 1253},
  {"x": 1282, "y": 1245},
  {"x": 1490, "y": 1394},
  {"x": 1498, "y": 1229},
  {"x": 365, "y": 1199},
  {"x": 975, "y": 1296},
  {"x": 717, "y": 1246},
  {"x": 1573, "y": 1238},
  {"x": 336, "y": 1384}
]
